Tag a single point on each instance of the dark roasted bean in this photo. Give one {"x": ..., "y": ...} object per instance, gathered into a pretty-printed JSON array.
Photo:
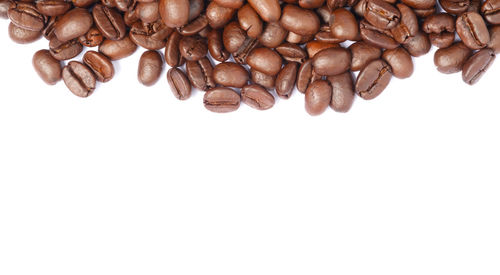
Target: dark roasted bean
[
  {"x": 118, "y": 49},
  {"x": 48, "y": 68},
  {"x": 200, "y": 74},
  {"x": 472, "y": 30},
  {"x": 109, "y": 22},
  {"x": 299, "y": 21},
  {"x": 179, "y": 84},
  {"x": 99, "y": 64},
  {"x": 250, "y": 21},
  {"x": 216, "y": 47},
  {"x": 381, "y": 14},
  {"x": 263, "y": 79},
  {"x": 400, "y": 61},
  {"x": 451, "y": 60},
  {"x": 343, "y": 25},
  {"x": 73, "y": 24},
  {"x": 230, "y": 74},
  {"x": 408, "y": 25},
  {"x": 53, "y": 7},
  {"x": 79, "y": 79},
  {"x": 316, "y": 46},
  {"x": 172, "y": 54},
  {"x": 373, "y": 79},
  {"x": 92, "y": 38},
  {"x": 257, "y": 97},
  {"x": 221, "y": 100},
  {"x": 362, "y": 54},
  {"x": 304, "y": 75},
  {"x": 418, "y": 45},
  {"x": 477, "y": 65},
  {"x": 332, "y": 61},
  {"x": 26, "y": 16},
  {"x": 150, "y": 68},
  {"x": 491, "y": 11},
  {"x": 377, "y": 37},
  {"x": 265, "y": 60},
  {"x": 285, "y": 81},
  {"x": 193, "y": 48},
  {"x": 64, "y": 50},
  {"x": 318, "y": 97}
]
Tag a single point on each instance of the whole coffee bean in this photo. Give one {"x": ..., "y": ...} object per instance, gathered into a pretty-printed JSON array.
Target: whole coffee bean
[
  {"x": 318, "y": 97},
  {"x": 53, "y": 7},
  {"x": 257, "y": 97},
  {"x": 373, "y": 79},
  {"x": 273, "y": 35},
  {"x": 174, "y": 13},
  {"x": 250, "y": 21},
  {"x": 292, "y": 52},
  {"x": 200, "y": 74},
  {"x": 23, "y": 36},
  {"x": 377, "y": 37},
  {"x": 99, "y": 64},
  {"x": 233, "y": 37},
  {"x": 92, "y": 38},
  {"x": 265, "y": 60},
  {"x": 491, "y": 11},
  {"x": 118, "y": 49},
  {"x": 332, "y": 61},
  {"x": 381, "y": 14},
  {"x": 64, "y": 50},
  {"x": 263, "y": 79},
  {"x": 285, "y": 81},
  {"x": 299, "y": 21},
  {"x": 343, "y": 25},
  {"x": 314, "y": 47},
  {"x": 83, "y": 3},
  {"x": 172, "y": 55},
  {"x": 193, "y": 48},
  {"x": 150, "y": 68},
  {"x": 342, "y": 92},
  {"x": 408, "y": 25},
  {"x": 79, "y": 79},
  {"x": 418, "y": 45},
  {"x": 233, "y": 4},
  {"x": 451, "y": 60},
  {"x": 109, "y": 22},
  {"x": 441, "y": 29},
  {"x": 442, "y": 40},
  {"x": 420, "y": 4},
  {"x": 455, "y": 7},
  {"x": 495, "y": 39},
  {"x": 4, "y": 8},
  {"x": 73, "y": 24},
  {"x": 269, "y": 10},
  {"x": 48, "y": 31},
  {"x": 230, "y": 75},
  {"x": 215, "y": 46},
  {"x": 218, "y": 16},
  {"x": 477, "y": 65},
  {"x": 221, "y": 100},
  {"x": 304, "y": 75},
  {"x": 26, "y": 16},
  {"x": 362, "y": 54},
  {"x": 47, "y": 67},
  {"x": 472, "y": 30},
  {"x": 400, "y": 61},
  {"x": 194, "y": 27},
  {"x": 148, "y": 12},
  {"x": 151, "y": 36},
  {"x": 179, "y": 84},
  {"x": 196, "y": 7}
]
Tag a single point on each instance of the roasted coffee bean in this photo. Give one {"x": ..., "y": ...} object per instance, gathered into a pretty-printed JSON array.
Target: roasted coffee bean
[
  {"x": 381, "y": 14},
  {"x": 494, "y": 39},
  {"x": 109, "y": 22},
  {"x": 318, "y": 97},
  {"x": 233, "y": 37},
  {"x": 491, "y": 11},
  {"x": 292, "y": 52},
  {"x": 174, "y": 13},
  {"x": 324, "y": 14},
  {"x": 474, "y": 5},
  {"x": 240, "y": 55},
  {"x": 194, "y": 27},
  {"x": 47, "y": 67},
  {"x": 257, "y": 97},
  {"x": 408, "y": 25},
  {"x": 441, "y": 28},
  {"x": 118, "y": 49},
  {"x": 420, "y": 4},
  {"x": 23, "y": 36},
  {"x": 218, "y": 16},
  {"x": 362, "y": 54},
  {"x": 196, "y": 7},
  {"x": 230, "y": 75},
  {"x": 179, "y": 84},
  {"x": 99, "y": 64},
  {"x": 26, "y": 16},
  {"x": 92, "y": 38},
  {"x": 250, "y": 21},
  {"x": 314, "y": 47},
  {"x": 79, "y": 79},
  {"x": 263, "y": 79},
  {"x": 221, "y": 100},
  {"x": 335, "y": 4},
  {"x": 64, "y": 50},
  {"x": 48, "y": 31},
  {"x": 150, "y": 68},
  {"x": 150, "y": 36},
  {"x": 216, "y": 47},
  {"x": 193, "y": 48},
  {"x": 342, "y": 92},
  {"x": 148, "y": 12},
  {"x": 285, "y": 81},
  {"x": 400, "y": 61},
  {"x": 477, "y": 65},
  {"x": 423, "y": 13},
  {"x": 451, "y": 60},
  {"x": 172, "y": 55},
  {"x": 304, "y": 75},
  {"x": 310, "y": 4},
  {"x": 73, "y": 24},
  {"x": 418, "y": 45},
  {"x": 265, "y": 60},
  {"x": 268, "y": 10},
  {"x": 4, "y": 8},
  {"x": 442, "y": 40},
  {"x": 343, "y": 25},
  {"x": 373, "y": 79},
  {"x": 233, "y": 4},
  {"x": 377, "y": 37},
  {"x": 83, "y": 3},
  {"x": 332, "y": 61},
  {"x": 53, "y": 7},
  {"x": 200, "y": 74},
  {"x": 360, "y": 8},
  {"x": 299, "y": 21},
  {"x": 472, "y": 30},
  {"x": 273, "y": 35},
  {"x": 455, "y": 7}
]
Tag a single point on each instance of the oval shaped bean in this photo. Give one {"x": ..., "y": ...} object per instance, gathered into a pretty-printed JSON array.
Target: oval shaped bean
[
  {"x": 150, "y": 68},
  {"x": 257, "y": 97},
  {"x": 318, "y": 97},
  {"x": 47, "y": 67},
  {"x": 265, "y": 60}
]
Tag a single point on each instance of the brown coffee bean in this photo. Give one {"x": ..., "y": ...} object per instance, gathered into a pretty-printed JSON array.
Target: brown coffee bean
[
  {"x": 148, "y": 12},
  {"x": 332, "y": 61},
  {"x": 292, "y": 52},
  {"x": 269, "y": 10},
  {"x": 22, "y": 36},
  {"x": 377, "y": 37},
  {"x": 79, "y": 79},
  {"x": 172, "y": 55},
  {"x": 495, "y": 39},
  {"x": 215, "y": 46},
  {"x": 263, "y": 79},
  {"x": 47, "y": 67},
  {"x": 179, "y": 84},
  {"x": 285, "y": 81},
  {"x": 53, "y": 7},
  {"x": 381, "y": 14},
  {"x": 150, "y": 68},
  {"x": 491, "y": 11},
  {"x": 233, "y": 4},
  {"x": 265, "y": 60},
  {"x": 373, "y": 79},
  {"x": 26, "y": 16},
  {"x": 100, "y": 65},
  {"x": 174, "y": 13},
  {"x": 257, "y": 97},
  {"x": 109, "y": 22},
  {"x": 230, "y": 75},
  {"x": 477, "y": 65},
  {"x": 299, "y": 21},
  {"x": 408, "y": 25},
  {"x": 218, "y": 16},
  {"x": 455, "y": 7},
  {"x": 194, "y": 27},
  {"x": 362, "y": 54},
  {"x": 73, "y": 24},
  {"x": 420, "y": 4},
  {"x": 92, "y": 38},
  {"x": 400, "y": 61},
  {"x": 64, "y": 50},
  {"x": 196, "y": 7},
  {"x": 221, "y": 100},
  {"x": 451, "y": 60},
  {"x": 472, "y": 30},
  {"x": 298, "y": 39},
  {"x": 83, "y": 3},
  {"x": 343, "y": 25},
  {"x": 118, "y": 49},
  {"x": 200, "y": 74},
  {"x": 193, "y": 47},
  {"x": 250, "y": 21},
  {"x": 48, "y": 31},
  {"x": 418, "y": 45},
  {"x": 273, "y": 35},
  {"x": 151, "y": 36},
  {"x": 304, "y": 75},
  {"x": 314, "y": 47},
  {"x": 318, "y": 97},
  {"x": 342, "y": 92}
]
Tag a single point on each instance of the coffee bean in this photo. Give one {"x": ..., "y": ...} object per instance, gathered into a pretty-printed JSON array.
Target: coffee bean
[
  {"x": 79, "y": 79},
  {"x": 118, "y": 49},
  {"x": 477, "y": 65},
  {"x": 47, "y": 67},
  {"x": 218, "y": 16},
  {"x": 53, "y": 7},
  {"x": 273, "y": 35},
  {"x": 230, "y": 75},
  {"x": 381, "y": 14},
  {"x": 194, "y": 27},
  {"x": 343, "y": 25},
  {"x": 400, "y": 62},
  {"x": 179, "y": 84},
  {"x": 23, "y": 36},
  {"x": 92, "y": 38},
  {"x": 299, "y": 21},
  {"x": 451, "y": 59},
  {"x": 257, "y": 97},
  {"x": 304, "y": 75},
  {"x": 455, "y": 7},
  {"x": 495, "y": 39},
  {"x": 423, "y": 13},
  {"x": 377, "y": 37},
  {"x": 150, "y": 68},
  {"x": 151, "y": 36},
  {"x": 193, "y": 48},
  {"x": 269, "y": 10},
  {"x": 200, "y": 74},
  {"x": 215, "y": 46},
  {"x": 318, "y": 97},
  {"x": 221, "y": 100},
  {"x": 48, "y": 31},
  {"x": 64, "y": 50},
  {"x": 332, "y": 61},
  {"x": 298, "y": 39},
  {"x": 472, "y": 30},
  {"x": 233, "y": 4},
  {"x": 267, "y": 81},
  {"x": 408, "y": 25},
  {"x": 285, "y": 81},
  {"x": 175, "y": 13},
  {"x": 342, "y": 92},
  {"x": 83, "y": 3},
  {"x": 292, "y": 52},
  {"x": 148, "y": 12},
  {"x": 109, "y": 22},
  {"x": 250, "y": 21},
  {"x": 99, "y": 64},
  {"x": 373, "y": 79},
  {"x": 172, "y": 54},
  {"x": 196, "y": 7},
  {"x": 362, "y": 54},
  {"x": 441, "y": 29},
  {"x": 420, "y": 4},
  {"x": 73, "y": 24},
  {"x": 265, "y": 60},
  {"x": 26, "y": 16},
  {"x": 418, "y": 45},
  {"x": 491, "y": 11}
]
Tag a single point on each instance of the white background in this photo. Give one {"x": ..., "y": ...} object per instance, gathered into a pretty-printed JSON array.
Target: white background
[{"x": 132, "y": 181}]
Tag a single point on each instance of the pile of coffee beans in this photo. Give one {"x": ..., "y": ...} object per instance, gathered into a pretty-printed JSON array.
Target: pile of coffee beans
[{"x": 249, "y": 51}]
